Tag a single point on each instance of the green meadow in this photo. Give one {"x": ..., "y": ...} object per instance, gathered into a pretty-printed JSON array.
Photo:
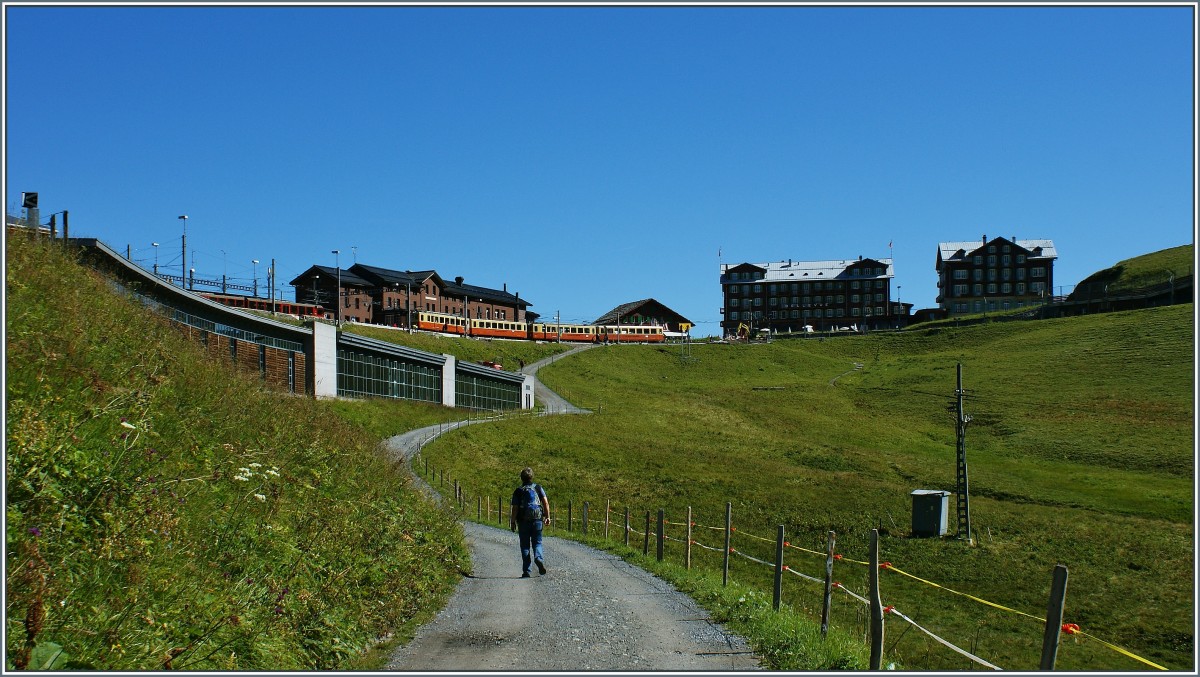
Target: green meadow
[{"x": 1080, "y": 452}]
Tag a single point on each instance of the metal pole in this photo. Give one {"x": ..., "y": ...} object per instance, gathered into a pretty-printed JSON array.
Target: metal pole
[
  {"x": 607, "y": 515},
  {"x": 626, "y": 526},
  {"x": 662, "y": 528},
  {"x": 778, "y": 568},
  {"x": 963, "y": 489},
  {"x": 687, "y": 557},
  {"x": 876, "y": 605},
  {"x": 646, "y": 542},
  {"x": 585, "y": 518},
  {"x": 828, "y": 585},
  {"x": 728, "y": 529},
  {"x": 1054, "y": 616}
]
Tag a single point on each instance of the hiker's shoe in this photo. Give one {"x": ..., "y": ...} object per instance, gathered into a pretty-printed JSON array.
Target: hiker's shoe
[
  {"x": 541, "y": 567},
  {"x": 525, "y": 575}
]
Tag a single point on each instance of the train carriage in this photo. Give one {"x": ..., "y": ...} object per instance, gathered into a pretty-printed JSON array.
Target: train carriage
[
  {"x": 575, "y": 333},
  {"x": 632, "y": 333},
  {"x": 444, "y": 323},
  {"x": 499, "y": 329}
]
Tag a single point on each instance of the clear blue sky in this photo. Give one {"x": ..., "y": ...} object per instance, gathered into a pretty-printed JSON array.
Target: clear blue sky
[{"x": 588, "y": 157}]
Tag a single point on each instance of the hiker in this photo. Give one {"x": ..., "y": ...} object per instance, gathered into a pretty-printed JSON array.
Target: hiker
[{"x": 530, "y": 510}]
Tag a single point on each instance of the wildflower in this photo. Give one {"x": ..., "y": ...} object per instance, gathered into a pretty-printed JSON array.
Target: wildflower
[
  {"x": 241, "y": 478},
  {"x": 260, "y": 497},
  {"x": 127, "y": 424},
  {"x": 35, "y": 532},
  {"x": 256, "y": 465},
  {"x": 273, "y": 472}
]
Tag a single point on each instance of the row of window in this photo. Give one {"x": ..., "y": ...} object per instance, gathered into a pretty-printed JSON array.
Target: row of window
[
  {"x": 992, "y": 288},
  {"x": 990, "y": 306},
  {"x": 868, "y": 311},
  {"x": 476, "y": 392},
  {"x": 807, "y": 287},
  {"x": 993, "y": 273},
  {"x": 805, "y": 300}
]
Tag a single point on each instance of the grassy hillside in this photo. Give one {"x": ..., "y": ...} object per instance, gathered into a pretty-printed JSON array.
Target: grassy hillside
[
  {"x": 165, "y": 512},
  {"x": 1081, "y": 452},
  {"x": 1146, "y": 270}
]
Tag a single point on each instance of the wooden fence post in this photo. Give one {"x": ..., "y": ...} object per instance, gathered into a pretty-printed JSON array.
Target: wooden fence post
[
  {"x": 570, "y": 516},
  {"x": 500, "y": 510},
  {"x": 607, "y": 515},
  {"x": 728, "y": 528},
  {"x": 876, "y": 605},
  {"x": 662, "y": 532},
  {"x": 828, "y": 585},
  {"x": 479, "y": 508},
  {"x": 778, "y": 568},
  {"x": 646, "y": 542},
  {"x": 626, "y": 526},
  {"x": 1054, "y": 615},
  {"x": 687, "y": 557},
  {"x": 585, "y": 518}
]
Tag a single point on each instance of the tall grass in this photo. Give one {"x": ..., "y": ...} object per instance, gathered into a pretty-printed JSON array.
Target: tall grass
[
  {"x": 163, "y": 511},
  {"x": 1080, "y": 452}
]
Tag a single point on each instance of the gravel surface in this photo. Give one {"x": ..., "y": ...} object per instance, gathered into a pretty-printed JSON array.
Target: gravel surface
[{"x": 591, "y": 611}]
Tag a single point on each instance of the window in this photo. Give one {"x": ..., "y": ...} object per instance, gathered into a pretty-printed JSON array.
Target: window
[
  {"x": 854, "y": 298},
  {"x": 1007, "y": 260},
  {"x": 758, "y": 289},
  {"x": 991, "y": 275},
  {"x": 855, "y": 312},
  {"x": 1020, "y": 258},
  {"x": 978, "y": 290},
  {"x": 878, "y": 298},
  {"x": 992, "y": 288},
  {"x": 978, "y": 274},
  {"x": 1006, "y": 274},
  {"x": 960, "y": 289},
  {"x": 961, "y": 274},
  {"x": 978, "y": 260},
  {"x": 1038, "y": 272},
  {"x": 1020, "y": 273},
  {"x": 841, "y": 299},
  {"x": 854, "y": 284},
  {"x": 1020, "y": 287},
  {"x": 1006, "y": 288}
]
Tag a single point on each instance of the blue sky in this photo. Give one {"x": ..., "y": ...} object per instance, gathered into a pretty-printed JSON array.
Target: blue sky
[{"x": 587, "y": 157}]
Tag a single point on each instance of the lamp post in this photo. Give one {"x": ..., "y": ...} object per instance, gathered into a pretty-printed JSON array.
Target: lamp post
[
  {"x": 338, "y": 296},
  {"x": 155, "y": 245},
  {"x": 224, "y": 270},
  {"x": 254, "y": 264},
  {"x": 183, "y": 261},
  {"x": 408, "y": 299}
]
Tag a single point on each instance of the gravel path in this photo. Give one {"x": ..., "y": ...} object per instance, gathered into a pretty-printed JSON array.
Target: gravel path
[{"x": 591, "y": 611}]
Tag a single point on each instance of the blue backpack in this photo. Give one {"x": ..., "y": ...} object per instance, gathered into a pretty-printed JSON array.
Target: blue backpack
[{"x": 529, "y": 505}]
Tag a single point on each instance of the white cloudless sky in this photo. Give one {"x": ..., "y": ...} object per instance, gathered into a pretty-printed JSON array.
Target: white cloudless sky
[{"x": 591, "y": 156}]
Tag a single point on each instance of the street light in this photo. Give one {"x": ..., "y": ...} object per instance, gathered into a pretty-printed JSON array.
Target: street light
[
  {"x": 224, "y": 270},
  {"x": 254, "y": 262},
  {"x": 155, "y": 245},
  {"x": 338, "y": 296}
]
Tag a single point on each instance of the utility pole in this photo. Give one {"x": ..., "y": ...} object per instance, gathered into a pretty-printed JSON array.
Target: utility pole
[
  {"x": 183, "y": 261},
  {"x": 963, "y": 498}
]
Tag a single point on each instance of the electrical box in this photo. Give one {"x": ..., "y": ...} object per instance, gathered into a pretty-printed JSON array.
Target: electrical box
[{"x": 929, "y": 509}]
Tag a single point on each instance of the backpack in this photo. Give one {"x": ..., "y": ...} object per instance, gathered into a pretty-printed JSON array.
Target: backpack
[{"x": 529, "y": 506}]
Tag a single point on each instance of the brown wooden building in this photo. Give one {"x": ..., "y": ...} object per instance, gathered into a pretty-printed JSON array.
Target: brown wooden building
[
  {"x": 647, "y": 312},
  {"x": 994, "y": 275},
  {"x": 790, "y": 296},
  {"x": 375, "y": 295}
]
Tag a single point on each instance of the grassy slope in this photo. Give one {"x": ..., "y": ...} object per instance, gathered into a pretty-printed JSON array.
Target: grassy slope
[
  {"x": 1146, "y": 270},
  {"x": 1080, "y": 451},
  {"x": 159, "y": 506}
]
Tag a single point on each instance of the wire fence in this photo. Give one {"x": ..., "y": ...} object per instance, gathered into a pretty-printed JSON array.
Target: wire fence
[{"x": 739, "y": 544}]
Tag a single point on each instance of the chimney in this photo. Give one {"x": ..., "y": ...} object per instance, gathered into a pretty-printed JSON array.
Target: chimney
[
  {"x": 985, "y": 238},
  {"x": 505, "y": 286},
  {"x": 458, "y": 280}
]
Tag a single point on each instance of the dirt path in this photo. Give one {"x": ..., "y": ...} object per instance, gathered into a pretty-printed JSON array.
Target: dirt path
[{"x": 591, "y": 611}]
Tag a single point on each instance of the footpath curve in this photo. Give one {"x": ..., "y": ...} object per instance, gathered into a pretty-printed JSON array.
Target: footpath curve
[{"x": 591, "y": 611}]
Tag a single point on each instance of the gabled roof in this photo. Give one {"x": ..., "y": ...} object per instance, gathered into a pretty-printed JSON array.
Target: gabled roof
[
  {"x": 960, "y": 250},
  {"x": 649, "y": 307},
  {"x": 389, "y": 277},
  {"x": 349, "y": 279},
  {"x": 484, "y": 294}
]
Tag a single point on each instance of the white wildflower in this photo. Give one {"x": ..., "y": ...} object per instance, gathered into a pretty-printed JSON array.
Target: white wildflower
[
  {"x": 256, "y": 465},
  {"x": 273, "y": 473},
  {"x": 127, "y": 424},
  {"x": 260, "y": 497}
]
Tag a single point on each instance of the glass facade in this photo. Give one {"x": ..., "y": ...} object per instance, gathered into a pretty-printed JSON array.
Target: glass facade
[
  {"x": 366, "y": 375},
  {"x": 476, "y": 392}
]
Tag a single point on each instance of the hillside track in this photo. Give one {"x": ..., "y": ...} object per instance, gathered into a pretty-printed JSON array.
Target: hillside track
[{"x": 591, "y": 611}]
